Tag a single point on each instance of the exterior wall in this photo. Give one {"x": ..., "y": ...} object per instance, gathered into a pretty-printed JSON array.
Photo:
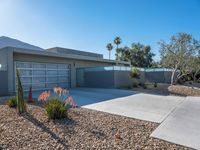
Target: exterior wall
[
  {"x": 122, "y": 79},
  {"x": 4, "y": 83},
  {"x": 6, "y": 59},
  {"x": 99, "y": 79},
  {"x": 118, "y": 78},
  {"x": 83, "y": 64},
  {"x": 155, "y": 76},
  {"x": 167, "y": 76},
  {"x": 142, "y": 78},
  {"x": 74, "y": 64}
]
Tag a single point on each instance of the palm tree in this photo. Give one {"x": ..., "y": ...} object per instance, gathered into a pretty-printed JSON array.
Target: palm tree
[
  {"x": 117, "y": 41},
  {"x": 109, "y": 47}
]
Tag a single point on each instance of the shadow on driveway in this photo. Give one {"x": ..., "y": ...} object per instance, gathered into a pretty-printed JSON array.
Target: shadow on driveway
[{"x": 86, "y": 96}]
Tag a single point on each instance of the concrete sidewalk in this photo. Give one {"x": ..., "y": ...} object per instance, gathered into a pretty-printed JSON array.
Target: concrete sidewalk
[
  {"x": 154, "y": 108},
  {"x": 182, "y": 126}
]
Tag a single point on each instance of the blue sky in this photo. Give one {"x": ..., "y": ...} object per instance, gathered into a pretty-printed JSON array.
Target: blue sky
[{"x": 90, "y": 24}]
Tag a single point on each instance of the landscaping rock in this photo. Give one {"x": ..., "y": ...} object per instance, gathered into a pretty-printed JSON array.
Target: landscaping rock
[
  {"x": 184, "y": 90},
  {"x": 84, "y": 129}
]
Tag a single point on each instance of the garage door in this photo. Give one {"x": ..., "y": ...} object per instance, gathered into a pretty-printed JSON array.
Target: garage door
[{"x": 43, "y": 76}]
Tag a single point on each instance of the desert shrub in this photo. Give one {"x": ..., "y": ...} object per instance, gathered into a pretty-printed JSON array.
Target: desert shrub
[
  {"x": 134, "y": 73},
  {"x": 155, "y": 85},
  {"x": 12, "y": 102},
  {"x": 145, "y": 86},
  {"x": 129, "y": 87},
  {"x": 135, "y": 85},
  {"x": 140, "y": 84},
  {"x": 56, "y": 109}
]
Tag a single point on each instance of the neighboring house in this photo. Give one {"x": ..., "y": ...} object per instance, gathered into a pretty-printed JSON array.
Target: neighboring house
[{"x": 46, "y": 69}]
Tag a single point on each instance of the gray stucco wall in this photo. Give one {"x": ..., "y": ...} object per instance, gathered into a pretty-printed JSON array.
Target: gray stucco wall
[
  {"x": 99, "y": 79},
  {"x": 103, "y": 78},
  {"x": 4, "y": 83},
  {"x": 122, "y": 79},
  {"x": 6, "y": 59},
  {"x": 156, "y": 76},
  {"x": 3, "y": 59},
  {"x": 119, "y": 78}
]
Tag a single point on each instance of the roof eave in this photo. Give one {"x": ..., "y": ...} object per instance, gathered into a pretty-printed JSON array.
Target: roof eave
[{"x": 69, "y": 56}]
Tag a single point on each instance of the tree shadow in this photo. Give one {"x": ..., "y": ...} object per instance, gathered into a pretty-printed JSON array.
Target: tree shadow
[{"x": 39, "y": 124}]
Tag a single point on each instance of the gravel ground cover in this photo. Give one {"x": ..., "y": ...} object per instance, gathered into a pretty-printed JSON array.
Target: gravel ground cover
[
  {"x": 166, "y": 89},
  {"x": 85, "y": 129},
  {"x": 184, "y": 90}
]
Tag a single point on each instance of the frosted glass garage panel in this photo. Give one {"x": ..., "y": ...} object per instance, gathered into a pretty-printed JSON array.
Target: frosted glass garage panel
[
  {"x": 38, "y": 86},
  {"x": 52, "y": 66},
  {"x": 63, "y": 72},
  {"x": 42, "y": 76},
  {"x": 52, "y": 85},
  {"x": 25, "y": 72},
  {"x": 52, "y": 72},
  {"x": 63, "y": 79},
  {"x": 26, "y": 87},
  {"x": 63, "y": 66},
  {"x": 66, "y": 85},
  {"x": 39, "y": 72},
  {"x": 39, "y": 80},
  {"x": 26, "y": 79},
  {"x": 23, "y": 65},
  {"x": 39, "y": 66},
  {"x": 52, "y": 79}
]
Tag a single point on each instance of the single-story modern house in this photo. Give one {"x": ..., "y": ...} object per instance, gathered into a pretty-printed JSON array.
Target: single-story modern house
[{"x": 46, "y": 69}]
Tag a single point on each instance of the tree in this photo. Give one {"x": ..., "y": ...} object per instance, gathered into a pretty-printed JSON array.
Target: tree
[
  {"x": 196, "y": 75},
  {"x": 155, "y": 64},
  {"x": 194, "y": 67},
  {"x": 109, "y": 47},
  {"x": 139, "y": 55},
  {"x": 117, "y": 41},
  {"x": 178, "y": 54}
]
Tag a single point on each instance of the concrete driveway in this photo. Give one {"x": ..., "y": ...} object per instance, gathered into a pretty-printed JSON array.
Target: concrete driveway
[
  {"x": 127, "y": 103},
  {"x": 182, "y": 126},
  {"x": 86, "y": 96}
]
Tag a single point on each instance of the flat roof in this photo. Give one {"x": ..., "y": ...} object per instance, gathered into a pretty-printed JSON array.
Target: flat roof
[
  {"x": 75, "y": 52},
  {"x": 61, "y": 55}
]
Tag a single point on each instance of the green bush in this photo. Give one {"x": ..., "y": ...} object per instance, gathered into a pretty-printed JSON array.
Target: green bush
[
  {"x": 12, "y": 102},
  {"x": 155, "y": 85},
  {"x": 55, "y": 109},
  {"x": 145, "y": 86},
  {"x": 134, "y": 73}
]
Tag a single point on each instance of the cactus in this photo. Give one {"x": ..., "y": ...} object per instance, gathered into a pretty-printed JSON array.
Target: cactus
[{"x": 20, "y": 96}]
